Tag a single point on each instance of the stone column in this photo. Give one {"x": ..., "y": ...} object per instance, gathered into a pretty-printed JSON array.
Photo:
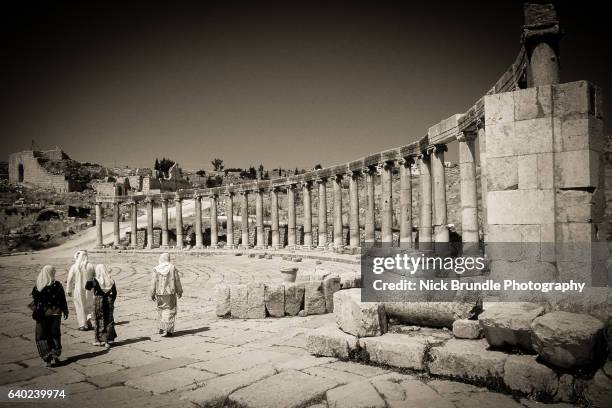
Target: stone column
[
  {"x": 214, "y": 223},
  {"x": 307, "y": 215},
  {"x": 229, "y": 213},
  {"x": 406, "y": 201},
  {"x": 178, "y": 201},
  {"x": 337, "y": 184},
  {"x": 440, "y": 222},
  {"x": 244, "y": 219},
  {"x": 541, "y": 35},
  {"x": 386, "y": 211},
  {"x": 260, "y": 244},
  {"x": 116, "y": 229},
  {"x": 469, "y": 199},
  {"x": 370, "y": 237},
  {"x": 425, "y": 229},
  {"x": 291, "y": 216},
  {"x": 354, "y": 240},
  {"x": 99, "y": 235},
  {"x": 164, "y": 223},
  {"x": 274, "y": 218},
  {"x": 134, "y": 225},
  {"x": 149, "y": 202},
  {"x": 322, "y": 213},
  {"x": 198, "y": 221}
]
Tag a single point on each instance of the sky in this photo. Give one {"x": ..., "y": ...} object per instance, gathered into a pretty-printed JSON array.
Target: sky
[{"x": 285, "y": 84}]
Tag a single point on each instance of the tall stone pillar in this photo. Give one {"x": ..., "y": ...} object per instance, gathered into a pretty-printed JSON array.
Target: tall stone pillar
[
  {"x": 291, "y": 221},
  {"x": 354, "y": 240},
  {"x": 229, "y": 213},
  {"x": 541, "y": 35},
  {"x": 198, "y": 221},
  {"x": 425, "y": 229},
  {"x": 214, "y": 223},
  {"x": 274, "y": 218},
  {"x": 440, "y": 222},
  {"x": 370, "y": 237},
  {"x": 322, "y": 213},
  {"x": 386, "y": 212},
  {"x": 149, "y": 202},
  {"x": 482, "y": 147},
  {"x": 337, "y": 184},
  {"x": 307, "y": 215},
  {"x": 99, "y": 235},
  {"x": 164, "y": 223},
  {"x": 244, "y": 219},
  {"x": 116, "y": 229},
  {"x": 469, "y": 200},
  {"x": 134, "y": 225},
  {"x": 406, "y": 201},
  {"x": 260, "y": 244},
  {"x": 178, "y": 202}
]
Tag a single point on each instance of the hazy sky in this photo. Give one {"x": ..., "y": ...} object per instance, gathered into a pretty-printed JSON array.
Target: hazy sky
[{"x": 284, "y": 84}]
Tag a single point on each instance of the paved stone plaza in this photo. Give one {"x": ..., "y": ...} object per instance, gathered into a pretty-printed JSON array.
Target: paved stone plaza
[{"x": 210, "y": 361}]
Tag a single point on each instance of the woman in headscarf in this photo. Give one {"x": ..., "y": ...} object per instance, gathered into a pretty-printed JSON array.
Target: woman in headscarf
[
  {"x": 48, "y": 306},
  {"x": 78, "y": 275},
  {"x": 165, "y": 289},
  {"x": 105, "y": 293}
]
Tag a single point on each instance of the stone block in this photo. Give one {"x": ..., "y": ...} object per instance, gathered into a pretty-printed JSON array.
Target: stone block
[
  {"x": 598, "y": 391},
  {"x": 314, "y": 298},
  {"x": 499, "y": 108},
  {"x": 500, "y": 140},
  {"x": 525, "y": 374},
  {"x": 532, "y": 103},
  {"x": 294, "y": 298},
  {"x": 430, "y": 314},
  {"x": 238, "y": 301},
  {"x": 580, "y": 206},
  {"x": 577, "y": 169},
  {"x": 331, "y": 342},
  {"x": 469, "y": 360},
  {"x": 527, "y": 172},
  {"x": 274, "y": 298},
  {"x": 509, "y": 324},
  {"x": 222, "y": 300},
  {"x": 533, "y": 136},
  {"x": 256, "y": 308},
  {"x": 294, "y": 389},
  {"x": 581, "y": 133},
  {"x": 361, "y": 319},
  {"x": 502, "y": 173},
  {"x": 520, "y": 207},
  {"x": 331, "y": 284},
  {"x": 355, "y": 395},
  {"x": 568, "y": 340},
  {"x": 571, "y": 99},
  {"x": 467, "y": 329},
  {"x": 397, "y": 350}
]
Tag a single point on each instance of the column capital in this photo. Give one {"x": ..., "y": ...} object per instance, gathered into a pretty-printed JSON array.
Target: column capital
[
  {"x": 354, "y": 174},
  {"x": 438, "y": 148},
  {"x": 148, "y": 200},
  {"x": 424, "y": 154},
  {"x": 229, "y": 194},
  {"x": 273, "y": 189},
  {"x": 466, "y": 136},
  {"x": 480, "y": 123},
  {"x": 243, "y": 192},
  {"x": 290, "y": 186},
  {"x": 306, "y": 184},
  {"x": 541, "y": 22},
  {"x": 337, "y": 177},
  {"x": 387, "y": 164},
  {"x": 321, "y": 180},
  {"x": 406, "y": 161},
  {"x": 369, "y": 170}
]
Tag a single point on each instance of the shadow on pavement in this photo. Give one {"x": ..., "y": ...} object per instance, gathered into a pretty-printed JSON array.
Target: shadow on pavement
[{"x": 190, "y": 331}]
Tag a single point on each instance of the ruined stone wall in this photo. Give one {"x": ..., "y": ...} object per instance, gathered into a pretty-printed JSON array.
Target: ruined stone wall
[
  {"x": 34, "y": 174},
  {"x": 608, "y": 177}
]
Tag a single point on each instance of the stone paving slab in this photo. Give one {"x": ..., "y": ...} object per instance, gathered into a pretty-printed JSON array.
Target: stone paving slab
[{"x": 170, "y": 380}]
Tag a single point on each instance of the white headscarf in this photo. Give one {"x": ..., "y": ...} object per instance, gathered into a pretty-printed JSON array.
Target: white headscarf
[
  {"x": 46, "y": 277},
  {"x": 103, "y": 277},
  {"x": 164, "y": 267}
]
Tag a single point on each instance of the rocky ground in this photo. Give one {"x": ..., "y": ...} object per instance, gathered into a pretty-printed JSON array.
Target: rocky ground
[{"x": 210, "y": 361}]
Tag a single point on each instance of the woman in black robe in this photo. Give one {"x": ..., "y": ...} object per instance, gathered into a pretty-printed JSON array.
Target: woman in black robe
[{"x": 48, "y": 306}]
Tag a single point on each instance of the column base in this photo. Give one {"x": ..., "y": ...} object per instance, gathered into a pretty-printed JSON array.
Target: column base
[
  {"x": 230, "y": 247},
  {"x": 132, "y": 246},
  {"x": 198, "y": 246},
  {"x": 164, "y": 247},
  {"x": 99, "y": 246},
  {"x": 244, "y": 247}
]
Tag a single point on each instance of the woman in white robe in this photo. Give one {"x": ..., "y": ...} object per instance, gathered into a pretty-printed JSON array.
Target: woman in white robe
[{"x": 78, "y": 275}]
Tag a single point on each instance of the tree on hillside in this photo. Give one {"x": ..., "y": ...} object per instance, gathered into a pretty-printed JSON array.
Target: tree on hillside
[
  {"x": 217, "y": 164},
  {"x": 163, "y": 165},
  {"x": 318, "y": 167},
  {"x": 201, "y": 173}
]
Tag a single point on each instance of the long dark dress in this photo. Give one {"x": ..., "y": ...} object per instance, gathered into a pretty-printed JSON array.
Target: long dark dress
[
  {"x": 104, "y": 306},
  {"x": 51, "y": 303}
]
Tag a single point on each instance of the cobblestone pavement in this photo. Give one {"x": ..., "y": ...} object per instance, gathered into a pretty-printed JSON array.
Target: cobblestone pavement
[{"x": 209, "y": 361}]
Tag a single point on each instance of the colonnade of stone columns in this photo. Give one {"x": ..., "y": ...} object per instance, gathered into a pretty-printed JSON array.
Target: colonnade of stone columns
[{"x": 433, "y": 223}]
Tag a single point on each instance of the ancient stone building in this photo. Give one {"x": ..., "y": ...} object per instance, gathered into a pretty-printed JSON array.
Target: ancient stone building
[{"x": 51, "y": 169}]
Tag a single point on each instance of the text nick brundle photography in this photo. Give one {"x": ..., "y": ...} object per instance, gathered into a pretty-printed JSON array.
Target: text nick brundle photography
[{"x": 305, "y": 204}]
